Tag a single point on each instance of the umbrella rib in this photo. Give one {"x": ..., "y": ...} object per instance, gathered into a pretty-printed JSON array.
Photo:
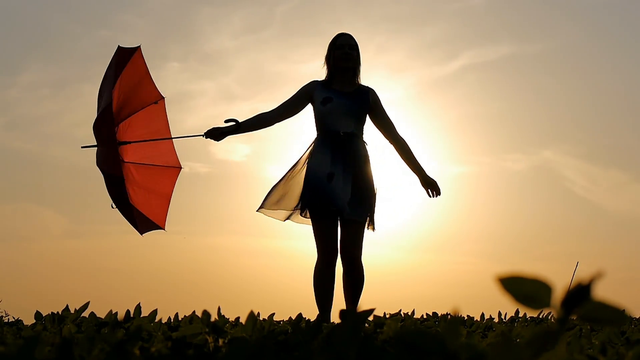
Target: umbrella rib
[
  {"x": 158, "y": 165},
  {"x": 153, "y": 103}
]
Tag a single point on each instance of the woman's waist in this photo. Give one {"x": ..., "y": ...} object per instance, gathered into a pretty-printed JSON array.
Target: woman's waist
[{"x": 342, "y": 136}]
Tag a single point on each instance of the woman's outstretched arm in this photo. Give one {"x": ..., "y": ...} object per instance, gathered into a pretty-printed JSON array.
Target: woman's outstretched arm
[
  {"x": 287, "y": 109},
  {"x": 382, "y": 121}
]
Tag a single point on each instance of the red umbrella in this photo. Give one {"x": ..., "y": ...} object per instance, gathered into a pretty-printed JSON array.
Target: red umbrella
[{"x": 134, "y": 149}]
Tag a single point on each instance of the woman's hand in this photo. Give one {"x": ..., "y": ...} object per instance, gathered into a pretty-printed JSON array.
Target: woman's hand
[
  {"x": 431, "y": 186},
  {"x": 218, "y": 133}
]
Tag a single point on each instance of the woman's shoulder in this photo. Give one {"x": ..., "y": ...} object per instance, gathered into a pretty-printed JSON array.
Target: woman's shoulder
[
  {"x": 313, "y": 85},
  {"x": 368, "y": 88},
  {"x": 370, "y": 93}
]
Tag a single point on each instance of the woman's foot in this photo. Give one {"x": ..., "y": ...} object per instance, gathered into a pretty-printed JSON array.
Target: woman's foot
[{"x": 323, "y": 319}]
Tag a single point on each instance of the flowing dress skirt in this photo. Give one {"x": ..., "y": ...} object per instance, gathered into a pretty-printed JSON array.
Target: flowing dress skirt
[{"x": 333, "y": 175}]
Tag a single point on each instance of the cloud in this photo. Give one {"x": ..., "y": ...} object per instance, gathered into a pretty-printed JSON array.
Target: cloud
[
  {"x": 232, "y": 151},
  {"x": 472, "y": 57},
  {"x": 196, "y": 167},
  {"x": 612, "y": 189},
  {"x": 518, "y": 162}
]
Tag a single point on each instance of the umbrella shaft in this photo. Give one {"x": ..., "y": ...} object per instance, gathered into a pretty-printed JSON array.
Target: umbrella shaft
[{"x": 147, "y": 140}]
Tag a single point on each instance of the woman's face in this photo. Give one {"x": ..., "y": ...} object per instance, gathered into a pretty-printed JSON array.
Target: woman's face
[{"x": 345, "y": 52}]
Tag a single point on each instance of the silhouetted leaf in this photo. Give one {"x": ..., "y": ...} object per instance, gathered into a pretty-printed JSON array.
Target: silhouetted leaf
[
  {"x": 250, "y": 323},
  {"x": 137, "y": 312},
  {"x": 38, "y": 316},
  {"x": 574, "y": 298},
  {"x": 82, "y": 308},
  {"x": 127, "y": 316},
  {"x": 599, "y": 313},
  {"x": 205, "y": 318},
  {"x": 152, "y": 315},
  {"x": 365, "y": 314},
  {"x": 531, "y": 293},
  {"x": 92, "y": 316}
]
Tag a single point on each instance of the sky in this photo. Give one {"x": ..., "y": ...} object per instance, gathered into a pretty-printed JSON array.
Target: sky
[{"x": 523, "y": 111}]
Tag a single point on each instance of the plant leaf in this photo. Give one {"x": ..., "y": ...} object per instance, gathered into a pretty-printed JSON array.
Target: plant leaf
[
  {"x": 137, "y": 311},
  {"x": 574, "y": 298},
  {"x": 153, "y": 315},
  {"x": 205, "y": 318},
  {"x": 599, "y": 313},
  {"x": 250, "y": 323},
  {"x": 531, "y": 293}
]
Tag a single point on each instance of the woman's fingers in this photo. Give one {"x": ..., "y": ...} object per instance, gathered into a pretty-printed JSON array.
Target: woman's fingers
[
  {"x": 215, "y": 134},
  {"x": 433, "y": 190}
]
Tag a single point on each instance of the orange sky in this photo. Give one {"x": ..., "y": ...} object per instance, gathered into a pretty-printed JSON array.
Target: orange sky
[{"x": 523, "y": 113}]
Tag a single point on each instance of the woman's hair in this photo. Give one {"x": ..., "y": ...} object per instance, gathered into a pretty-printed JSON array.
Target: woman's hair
[{"x": 328, "y": 63}]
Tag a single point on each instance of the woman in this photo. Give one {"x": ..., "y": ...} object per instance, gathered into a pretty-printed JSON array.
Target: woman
[{"x": 332, "y": 182}]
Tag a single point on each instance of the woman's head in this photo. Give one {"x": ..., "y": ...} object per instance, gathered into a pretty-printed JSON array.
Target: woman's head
[{"x": 343, "y": 57}]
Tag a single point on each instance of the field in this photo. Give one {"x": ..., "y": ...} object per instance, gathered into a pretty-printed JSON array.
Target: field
[{"x": 578, "y": 328}]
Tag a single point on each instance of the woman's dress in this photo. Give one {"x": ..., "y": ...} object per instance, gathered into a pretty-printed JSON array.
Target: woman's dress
[{"x": 334, "y": 174}]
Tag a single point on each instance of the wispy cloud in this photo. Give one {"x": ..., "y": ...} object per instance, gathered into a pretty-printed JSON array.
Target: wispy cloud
[
  {"x": 196, "y": 167},
  {"x": 611, "y": 188},
  {"x": 475, "y": 56},
  {"x": 232, "y": 151}
]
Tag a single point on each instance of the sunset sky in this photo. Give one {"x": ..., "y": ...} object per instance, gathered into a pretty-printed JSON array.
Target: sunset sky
[{"x": 525, "y": 112}]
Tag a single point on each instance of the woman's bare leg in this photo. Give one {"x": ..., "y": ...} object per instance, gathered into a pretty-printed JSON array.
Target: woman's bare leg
[
  {"x": 325, "y": 232},
  {"x": 351, "y": 238}
]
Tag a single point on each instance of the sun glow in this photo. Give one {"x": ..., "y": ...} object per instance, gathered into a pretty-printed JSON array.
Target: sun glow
[
  {"x": 400, "y": 197},
  {"x": 398, "y": 189},
  {"x": 399, "y": 193}
]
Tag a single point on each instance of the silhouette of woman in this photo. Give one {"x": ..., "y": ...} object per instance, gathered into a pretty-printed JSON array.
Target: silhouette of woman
[{"x": 332, "y": 183}]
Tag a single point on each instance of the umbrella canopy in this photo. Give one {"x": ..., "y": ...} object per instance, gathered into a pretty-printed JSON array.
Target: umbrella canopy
[{"x": 139, "y": 175}]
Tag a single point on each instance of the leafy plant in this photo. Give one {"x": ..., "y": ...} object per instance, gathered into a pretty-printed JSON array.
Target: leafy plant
[
  {"x": 577, "y": 303},
  {"x": 5, "y": 316},
  {"x": 584, "y": 329}
]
